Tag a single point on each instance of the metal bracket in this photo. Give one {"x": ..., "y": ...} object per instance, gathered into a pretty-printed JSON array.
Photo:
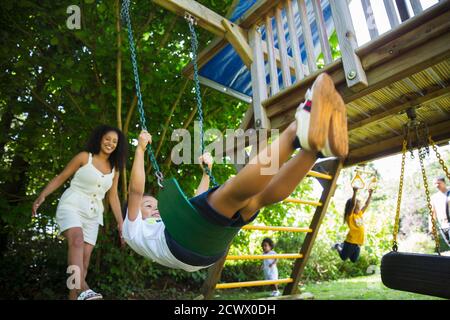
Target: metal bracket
[{"x": 190, "y": 18}]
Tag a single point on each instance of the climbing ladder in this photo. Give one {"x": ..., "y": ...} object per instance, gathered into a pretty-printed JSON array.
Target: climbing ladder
[{"x": 327, "y": 178}]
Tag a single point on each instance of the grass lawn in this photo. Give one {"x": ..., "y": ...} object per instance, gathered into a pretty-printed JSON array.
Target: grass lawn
[{"x": 360, "y": 288}]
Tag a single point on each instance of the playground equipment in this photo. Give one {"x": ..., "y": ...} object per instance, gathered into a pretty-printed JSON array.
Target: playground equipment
[
  {"x": 266, "y": 53},
  {"x": 419, "y": 273},
  {"x": 369, "y": 181}
]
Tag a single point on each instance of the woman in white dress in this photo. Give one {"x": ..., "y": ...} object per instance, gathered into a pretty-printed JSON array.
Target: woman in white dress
[{"x": 80, "y": 210}]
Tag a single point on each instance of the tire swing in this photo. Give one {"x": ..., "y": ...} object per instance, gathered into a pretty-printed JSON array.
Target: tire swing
[{"x": 427, "y": 274}]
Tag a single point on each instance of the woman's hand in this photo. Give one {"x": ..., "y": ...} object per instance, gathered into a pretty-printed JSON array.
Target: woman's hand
[
  {"x": 36, "y": 204},
  {"x": 144, "y": 139},
  {"x": 207, "y": 159}
]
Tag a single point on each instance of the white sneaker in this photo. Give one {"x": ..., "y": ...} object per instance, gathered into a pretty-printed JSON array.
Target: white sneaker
[
  {"x": 275, "y": 293},
  {"x": 89, "y": 295}
]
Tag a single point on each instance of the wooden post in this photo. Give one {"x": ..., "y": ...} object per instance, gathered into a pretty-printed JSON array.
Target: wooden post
[
  {"x": 326, "y": 50},
  {"x": 307, "y": 36},
  {"x": 417, "y": 7},
  {"x": 391, "y": 13},
  {"x": 273, "y": 70},
  {"x": 214, "y": 274},
  {"x": 299, "y": 74},
  {"x": 239, "y": 42},
  {"x": 282, "y": 48},
  {"x": 354, "y": 72},
  {"x": 333, "y": 167},
  {"x": 258, "y": 73},
  {"x": 402, "y": 9},
  {"x": 370, "y": 19}
]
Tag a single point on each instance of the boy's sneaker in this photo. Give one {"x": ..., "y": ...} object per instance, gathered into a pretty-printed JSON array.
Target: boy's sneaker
[
  {"x": 337, "y": 247},
  {"x": 314, "y": 114}
]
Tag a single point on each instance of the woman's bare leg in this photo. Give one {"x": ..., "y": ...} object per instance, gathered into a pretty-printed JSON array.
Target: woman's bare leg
[
  {"x": 75, "y": 243},
  {"x": 282, "y": 184},
  {"x": 237, "y": 192},
  {"x": 88, "y": 248}
]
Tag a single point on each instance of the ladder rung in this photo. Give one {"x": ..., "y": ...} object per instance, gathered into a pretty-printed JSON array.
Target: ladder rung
[
  {"x": 265, "y": 256},
  {"x": 231, "y": 285},
  {"x": 274, "y": 228},
  {"x": 316, "y": 174},
  {"x": 299, "y": 201}
]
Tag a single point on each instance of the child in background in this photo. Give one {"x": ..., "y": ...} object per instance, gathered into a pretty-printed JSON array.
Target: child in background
[
  {"x": 270, "y": 265},
  {"x": 353, "y": 216}
]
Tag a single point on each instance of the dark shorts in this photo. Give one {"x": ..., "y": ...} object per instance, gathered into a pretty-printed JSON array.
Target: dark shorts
[
  {"x": 350, "y": 251},
  {"x": 201, "y": 203}
]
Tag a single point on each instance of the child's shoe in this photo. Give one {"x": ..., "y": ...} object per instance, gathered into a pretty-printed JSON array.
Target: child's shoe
[
  {"x": 337, "y": 142},
  {"x": 314, "y": 114},
  {"x": 275, "y": 293}
]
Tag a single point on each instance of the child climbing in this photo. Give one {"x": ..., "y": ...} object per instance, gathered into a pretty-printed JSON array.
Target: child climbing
[
  {"x": 270, "y": 265},
  {"x": 80, "y": 210},
  {"x": 354, "y": 217},
  {"x": 320, "y": 130}
]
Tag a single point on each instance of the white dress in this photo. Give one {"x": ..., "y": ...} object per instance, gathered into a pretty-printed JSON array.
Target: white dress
[
  {"x": 81, "y": 205},
  {"x": 270, "y": 272}
]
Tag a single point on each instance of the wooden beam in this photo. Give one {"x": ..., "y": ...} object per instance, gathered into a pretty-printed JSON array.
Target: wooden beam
[
  {"x": 440, "y": 133},
  {"x": 388, "y": 60},
  {"x": 329, "y": 187},
  {"x": 403, "y": 65},
  {"x": 417, "y": 102},
  {"x": 307, "y": 36},
  {"x": 407, "y": 36},
  {"x": 206, "y": 18},
  {"x": 370, "y": 18},
  {"x": 391, "y": 13},
  {"x": 258, "y": 74},
  {"x": 295, "y": 46},
  {"x": 281, "y": 36},
  {"x": 213, "y": 277},
  {"x": 320, "y": 21},
  {"x": 239, "y": 42},
  {"x": 355, "y": 75}
]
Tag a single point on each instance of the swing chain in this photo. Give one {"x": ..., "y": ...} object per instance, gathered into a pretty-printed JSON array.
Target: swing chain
[
  {"x": 399, "y": 198},
  {"x": 438, "y": 155},
  {"x": 125, "y": 14},
  {"x": 194, "y": 48},
  {"x": 422, "y": 155}
]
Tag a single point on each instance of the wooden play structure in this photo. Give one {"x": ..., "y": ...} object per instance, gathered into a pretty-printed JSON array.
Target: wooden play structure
[{"x": 405, "y": 67}]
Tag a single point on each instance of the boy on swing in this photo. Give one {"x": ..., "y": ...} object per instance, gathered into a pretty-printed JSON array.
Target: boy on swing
[{"x": 320, "y": 130}]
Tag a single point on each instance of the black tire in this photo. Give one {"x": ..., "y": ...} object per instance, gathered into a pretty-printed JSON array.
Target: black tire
[{"x": 418, "y": 273}]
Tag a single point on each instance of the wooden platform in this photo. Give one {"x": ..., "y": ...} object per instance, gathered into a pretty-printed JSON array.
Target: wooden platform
[{"x": 408, "y": 66}]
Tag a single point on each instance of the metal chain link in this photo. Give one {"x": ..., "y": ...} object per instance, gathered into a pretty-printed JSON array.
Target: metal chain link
[
  {"x": 399, "y": 198},
  {"x": 125, "y": 14},
  {"x": 438, "y": 155},
  {"x": 194, "y": 48},
  {"x": 422, "y": 154}
]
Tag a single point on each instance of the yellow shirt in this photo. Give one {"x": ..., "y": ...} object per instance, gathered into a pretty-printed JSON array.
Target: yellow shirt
[{"x": 356, "y": 224}]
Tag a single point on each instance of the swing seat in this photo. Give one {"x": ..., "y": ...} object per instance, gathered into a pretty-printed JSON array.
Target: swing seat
[
  {"x": 418, "y": 273},
  {"x": 187, "y": 226}
]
